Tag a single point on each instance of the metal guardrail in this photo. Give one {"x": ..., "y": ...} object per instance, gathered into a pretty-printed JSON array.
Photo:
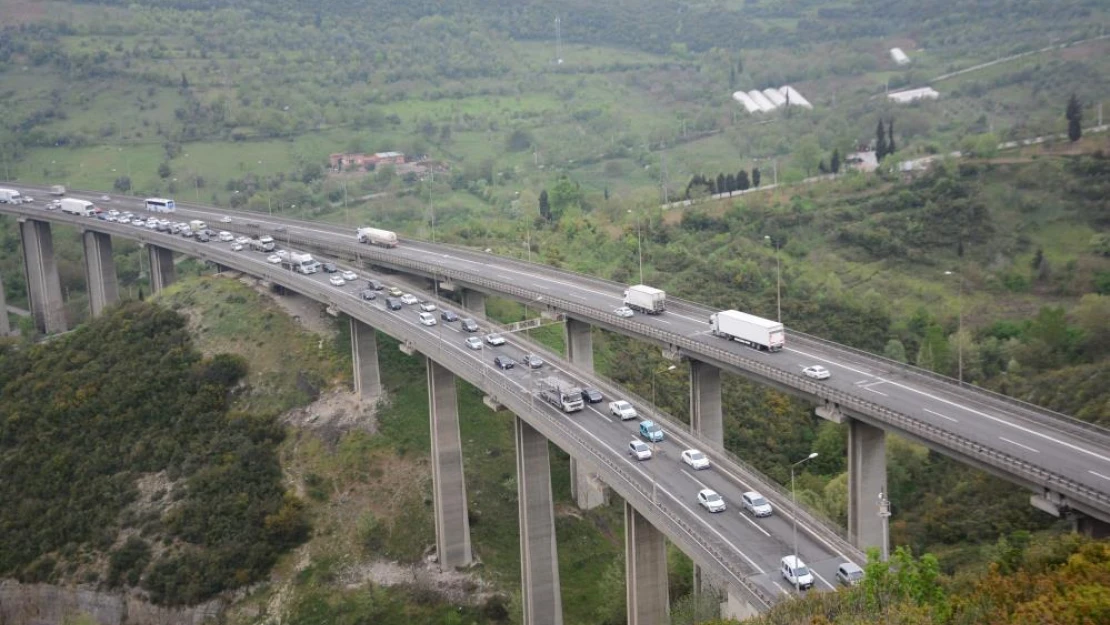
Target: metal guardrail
[
  {"x": 1005, "y": 462},
  {"x": 661, "y": 508}
]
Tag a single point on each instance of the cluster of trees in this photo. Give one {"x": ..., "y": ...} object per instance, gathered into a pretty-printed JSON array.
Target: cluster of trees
[
  {"x": 701, "y": 185},
  {"x": 884, "y": 140},
  {"x": 128, "y": 397}
]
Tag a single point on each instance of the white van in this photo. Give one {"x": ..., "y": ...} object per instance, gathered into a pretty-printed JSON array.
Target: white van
[{"x": 796, "y": 572}]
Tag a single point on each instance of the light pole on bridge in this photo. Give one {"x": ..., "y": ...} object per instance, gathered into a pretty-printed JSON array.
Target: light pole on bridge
[{"x": 794, "y": 513}]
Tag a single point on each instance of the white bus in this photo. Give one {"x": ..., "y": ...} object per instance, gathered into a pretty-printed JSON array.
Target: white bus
[{"x": 159, "y": 205}]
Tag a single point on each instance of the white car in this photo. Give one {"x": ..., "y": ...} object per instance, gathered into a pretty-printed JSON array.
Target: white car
[
  {"x": 337, "y": 281},
  {"x": 756, "y": 504},
  {"x": 226, "y": 236},
  {"x": 409, "y": 298},
  {"x": 695, "y": 459},
  {"x": 225, "y": 219},
  {"x": 495, "y": 339},
  {"x": 710, "y": 500},
  {"x": 105, "y": 198},
  {"x": 427, "y": 306},
  {"x": 28, "y": 199},
  {"x": 796, "y": 572},
  {"x": 273, "y": 259},
  {"x": 349, "y": 276},
  {"x": 427, "y": 319},
  {"x": 243, "y": 240},
  {"x": 639, "y": 450},
  {"x": 474, "y": 342},
  {"x": 623, "y": 311},
  {"x": 622, "y": 409},
  {"x": 236, "y": 247},
  {"x": 817, "y": 372}
]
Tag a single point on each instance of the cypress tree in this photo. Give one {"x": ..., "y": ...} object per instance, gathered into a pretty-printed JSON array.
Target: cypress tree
[
  {"x": 755, "y": 177},
  {"x": 880, "y": 141},
  {"x": 834, "y": 162},
  {"x": 1074, "y": 114}
]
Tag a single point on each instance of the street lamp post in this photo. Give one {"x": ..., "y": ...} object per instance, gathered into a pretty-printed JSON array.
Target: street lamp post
[
  {"x": 778, "y": 276},
  {"x": 639, "y": 245},
  {"x": 959, "y": 327},
  {"x": 653, "y": 374},
  {"x": 794, "y": 497},
  {"x": 884, "y": 517}
]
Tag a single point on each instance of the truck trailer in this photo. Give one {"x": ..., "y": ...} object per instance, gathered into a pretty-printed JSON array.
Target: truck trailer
[
  {"x": 645, "y": 299},
  {"x": 755, "y": 331},
  {"x": 58, "y": 190},
  {"x": 374, "y": 236},
  {"x": 561, "y": 395},
  {"x": 10, "y": 196},
  {"x": 74, "y": 206},
  {"x": 300, "y": 262}
]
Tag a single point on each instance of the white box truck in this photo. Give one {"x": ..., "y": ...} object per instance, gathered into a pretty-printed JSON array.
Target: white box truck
[
  {"x": 758, "y": 332},
  {"x": 561, "y": 395},
  {"x": 374, "y": 236},
  {"x": 10, "y": 196},
  {"x": 300, "y": 262},
  {"x": 263, "y": 244},
  {"x": 58, "y": 190},
  {"x": 645, "y": 299},
  {"x": 74, "y": 206}
]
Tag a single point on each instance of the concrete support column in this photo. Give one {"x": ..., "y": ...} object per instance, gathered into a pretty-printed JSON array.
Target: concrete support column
[
  {"x": 5, "y": 323},
  {"x": 866, "y": 480},
  {"x": 448, "y": 485},
  {"x": 580, "y": 344},
  {"x": 586, "y": 489},
  {"x": 364, "y": 355},
  {"x": 100, "y": 271},
  {"x": 736, "y": 607},
  {"x": 539, "y": 556},
  {"x": 1092, "y": 527},
  {"x": 645, "y": 567},
  {"x": 44, "y": 288},
  {"x": 162, "y": 271},
  {"x": 474, "y": 301},
  {"x": 706, "y": 416}
]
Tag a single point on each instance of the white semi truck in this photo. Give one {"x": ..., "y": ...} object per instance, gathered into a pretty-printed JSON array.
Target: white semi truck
[
  {"x": 74, "y": 206},
  {"x": 645, "y": 299},
  {"x": 10, "y": 196},
  {"x": 374, "y": 236},
  {"x": 755, "y": 331},
  {"x": 561, "y": 395},
  {"x": 263, "y": 244}
]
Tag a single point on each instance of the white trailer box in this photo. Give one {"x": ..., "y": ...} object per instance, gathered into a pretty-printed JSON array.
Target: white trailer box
[
  {"x": 58, "y": 189},
  {"x": 10, "y": 196},
  {"x": 645, "y": 299},
  {"x": 300, "y": 262},
  {"x": 374, "y": 236},
  {"x": 755, "y": 331},
  {"x": 74, "y": 206}
]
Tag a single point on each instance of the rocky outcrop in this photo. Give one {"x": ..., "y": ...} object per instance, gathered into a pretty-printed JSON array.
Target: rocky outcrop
[{"x": 43, "y": 604}]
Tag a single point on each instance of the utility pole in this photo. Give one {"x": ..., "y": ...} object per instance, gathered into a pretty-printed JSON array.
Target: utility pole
[
  {"x": 663, "y": 163},
  {"x": 558, "y": 41}
]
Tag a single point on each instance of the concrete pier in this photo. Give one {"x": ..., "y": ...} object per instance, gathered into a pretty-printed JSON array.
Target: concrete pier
[
  {"x": 162, "y": 270},
  {"x": 448, "y": 485},
  {"x": 706, "y": 415},
  {"x": 539, "y": 558},
  {"x": 586, "y": 489},
  {"x": 645, "y": 565},
  {"x": 364, "y": 356},
  {"x": 580, "y": 344},
  {"x": 5, "y": 323},
  {"x": 474, "y": 301},
  {"x": 866, "y": 481},
  {"x": 100, "y": 271},
  {"x": 44, "y": 288}
]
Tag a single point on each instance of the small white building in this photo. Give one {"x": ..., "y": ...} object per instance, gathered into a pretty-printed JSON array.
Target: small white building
[
  {"x": 905, "y": 97},
  {"x": 790, "y": 95},
  {"x": 747, "y": 102},
  {"x": 765, "y": 105},
  {"x": 899, "y": 56}
]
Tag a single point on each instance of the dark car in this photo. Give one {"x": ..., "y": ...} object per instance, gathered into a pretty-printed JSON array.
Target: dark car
[
  {"x": 469, "y": 325},
  {"x": 202, "y": 237},
  {"x": 329, "y": 267},
  {"x": 448, "y": 316},
  {"x": 393, "y": 303},
  {"x": 374, "y": 284},
  {"x": 504, "y": 362},
  {"x": 533, "y": 361},
  {"x": 592, "y": 395},
  {"x": 368, "y": 294}
]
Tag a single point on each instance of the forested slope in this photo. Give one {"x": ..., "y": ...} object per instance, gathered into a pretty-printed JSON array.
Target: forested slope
[{"x": 122, "y": 465}]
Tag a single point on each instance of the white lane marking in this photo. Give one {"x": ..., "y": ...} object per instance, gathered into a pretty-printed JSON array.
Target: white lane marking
[
  {"x": 985, "y": 415},
  {"x": 779, "y": 586},
  {"x": 754, "y": 524},
  {"x": 862, "y": 382},
  {"x": 868, "y": 388},
  {"x": 1096, "y": 473},
  {"x": 1018, "y": 444},
  {"x": 695, "y": 480},
  {"x": 818, "y": 576},
  {"x": 663, "y": 321},
  {"x": 942, "y": 416},
  {"x": 599, "y": 413}
]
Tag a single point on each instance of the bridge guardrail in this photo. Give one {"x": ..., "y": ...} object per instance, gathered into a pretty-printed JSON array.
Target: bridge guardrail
[
  {"x": 993, "y": 457},
  {"x": 660, "y": 507}
]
